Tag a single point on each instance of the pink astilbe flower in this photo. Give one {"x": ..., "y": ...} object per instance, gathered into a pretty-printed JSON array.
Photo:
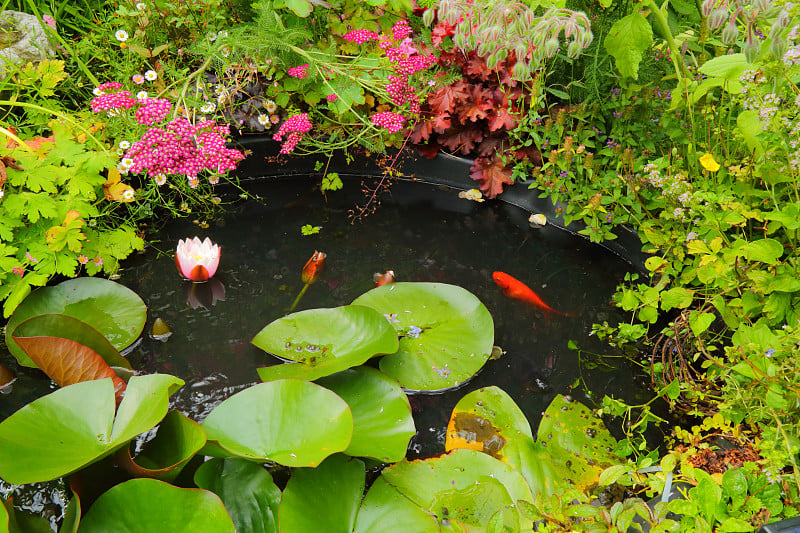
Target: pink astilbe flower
[
  {"x": 183, "y": 148},
  {"x": 360, "y": 36},
  {"x": 152, "y": 110},
  {"x": 295, "y": 129},
  {"x": 299, "y": 72},
  {"x": 391, "y": 122}
]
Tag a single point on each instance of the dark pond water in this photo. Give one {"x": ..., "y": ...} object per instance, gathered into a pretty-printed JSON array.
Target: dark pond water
[{"x": 423, "y": 233}]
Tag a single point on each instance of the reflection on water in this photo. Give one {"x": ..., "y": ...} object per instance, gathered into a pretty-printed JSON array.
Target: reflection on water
[{"x": 422, "y": 233}]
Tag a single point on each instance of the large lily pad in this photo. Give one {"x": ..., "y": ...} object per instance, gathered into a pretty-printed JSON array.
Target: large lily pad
[
  {"x": 177, "y": 440},
  {"x": 111, "y": 308},
  {"x": 77, "y": 425},
  {"x": 385, "y": 510},
  {"x": 446, "y": 333},
  {"x": 382, "y": 421},
  {"x": 291, "y": 422},
  {"x": 325, "y": 498},
  {"x": 152, "y": 506},
  {"x": 246, "y": 489},
  {"x": 466, "y": 480},
  {"x": 324, "y": 341},
  {"x": 580, "y": 445}
]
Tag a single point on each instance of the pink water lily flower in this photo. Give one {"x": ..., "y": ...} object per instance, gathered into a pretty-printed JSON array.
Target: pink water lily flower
[{"x": 197, "y": 260}]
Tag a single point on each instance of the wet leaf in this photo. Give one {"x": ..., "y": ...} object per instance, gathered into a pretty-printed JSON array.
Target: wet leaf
[
  {"x": 291, "y": 422},
  {"x": 447, "y": 334},
  {"x": 152, "y": 506},
  {"x": 324, "y": 341},
  {"x": 76, "y": 425},
  {"x": 177, "y": 440},
  {"x": 384, "y": 510},
  {"x": 325, "y": 498},
  {"x": 382, "y": 421},
  {"x": 247, "y": 490},
  {"x": 111, "y": 308}
]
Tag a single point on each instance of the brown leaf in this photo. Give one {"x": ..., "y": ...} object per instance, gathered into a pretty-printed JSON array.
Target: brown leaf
[{"x": 492, "y": 175}]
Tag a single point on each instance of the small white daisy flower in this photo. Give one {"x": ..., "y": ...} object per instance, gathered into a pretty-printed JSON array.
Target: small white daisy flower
[
  {"x": 122, "y": 169},
  {"x": 127, "y": 195},
  {"x": 221, "y": 98},
  {"x": 126, "y": 162},
  {"x": 141, "y": 95},
  {"x": 225, "y": 52},
  {"x": 124, "y": 145},
  {"x": 263, "y": 120},
  {"x": 211, "y": 36},
  {"x": 141, "y": 6},
  {"x": 213, "y": 179},
  {"x": 97, "y": 91},
  {"x": 271, "y": 106},
  {"x": 138, "y": 79},
  {"x": 150, "y": 75},
  {"x": 208, "y": 108},
  {"x": 121, "y": 35},
  {"x": 222, "y": 34},
  {"x": 161, "y": 179},
  {"x": 120, "y": 151},
  {"x": 112, "y": 113}
]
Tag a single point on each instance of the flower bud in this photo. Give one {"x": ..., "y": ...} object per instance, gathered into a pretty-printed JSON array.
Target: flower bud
[
  {"x": 428, "y": 16},
  {"x": 730, "y": 33},
  {"x": 751, "y": 50},
  {"x": 595, "y": 201},
  {"x": 313, "y": 267},
  {"x": 574, "y": 49},
  {"x": 553, "y": 157},
  {"x": 521, "y": 71},
  {"x": 570, "y": 27},
  {"x": 762, "y": 5},
  {"x": 707, "y": 7},
  {"x": 778, "y": 48},
  {"x": 551, "y": 47},
  {"x": 783, "y": 19},
  {"x": 585, "y": 38},
  {"x": 588, "y": 160},
  {"x": 561, "y": 118},
  {"x": 538, "y": 39},
  {"x": 717, "y": 18}
]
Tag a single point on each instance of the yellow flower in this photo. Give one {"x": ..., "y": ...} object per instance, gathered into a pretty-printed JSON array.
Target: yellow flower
[{"x": 708, "y": 162}]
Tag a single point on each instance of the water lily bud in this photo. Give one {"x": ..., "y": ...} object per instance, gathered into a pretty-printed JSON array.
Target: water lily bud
[
  {"x": 717, "y": 18},
  {"x": 574, "y": 49},
  {"x": 778, "y": 48},
  {"x": 707, "y": 7},
  {"x": 313, "y": 267},
  {"x": 551, "y": 47},
  {"x": 730, "y": 33},
  {"x": 197, "y": 260},
  {"x": 762, "y": 5}
]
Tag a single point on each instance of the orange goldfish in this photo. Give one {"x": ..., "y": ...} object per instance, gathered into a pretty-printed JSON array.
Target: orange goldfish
[
  {"x": 513, "y": 288},
  {"x": 384, "y": 279}
]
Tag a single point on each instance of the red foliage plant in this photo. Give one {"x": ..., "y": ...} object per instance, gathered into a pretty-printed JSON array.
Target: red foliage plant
[{"x": 473, "y": 115}]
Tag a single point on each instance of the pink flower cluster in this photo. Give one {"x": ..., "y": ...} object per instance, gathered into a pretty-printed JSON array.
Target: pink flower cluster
[
  {"x": 106, "y": 101},
  {"x": 401, "y": 30},
  {"x": 361, "y": 36},
  {"x": 300, "y": 71},
  {"x": 295, "y": 129},
  {"x": 152, "y": 110},
  {"x": 391, "y": 122},
  {"x": 183, "y": 148}
]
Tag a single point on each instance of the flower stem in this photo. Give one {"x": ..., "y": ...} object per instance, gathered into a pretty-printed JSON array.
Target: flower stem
[{"x": 296, "y": 300}]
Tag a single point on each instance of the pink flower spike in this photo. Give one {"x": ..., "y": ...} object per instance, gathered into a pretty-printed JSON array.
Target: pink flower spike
[{"x": 197, "y": 260}]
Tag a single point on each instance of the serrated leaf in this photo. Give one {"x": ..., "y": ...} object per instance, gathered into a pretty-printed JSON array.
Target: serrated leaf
[{"x": 626, "y": 41}]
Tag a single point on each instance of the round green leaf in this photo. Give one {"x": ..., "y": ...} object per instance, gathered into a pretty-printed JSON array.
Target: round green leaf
[
  {"x": 446, "y": 333},
  {"x": 384, "y": 510},
  {"x": 382, "y": 421},
  {"x": 246, "y": 489},
  {"x": 177, "y": 440},
  {"x": 325, "y": 498},
  {"x": 111, "y": 308},
  {"x": 76, "y": 425},
  {"x": 325, "y": 341},
  {"x": 291, "y": 422},
  {"x": 476, "y": 484},
  {"x": 152, "y": 506}
]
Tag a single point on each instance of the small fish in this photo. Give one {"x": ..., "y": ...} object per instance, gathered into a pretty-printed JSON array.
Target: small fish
[
  {"x": 473, "y": 194},
  {"x": 513, "y": 288},
  {"x": 383, "y": 279}
]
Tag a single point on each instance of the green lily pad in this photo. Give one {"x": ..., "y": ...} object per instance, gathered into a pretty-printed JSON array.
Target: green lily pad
[
  {"x": 291, "y": 422},
  {"x": 446, "y": 333},
  {"x": 111, "y": 308},
  {"x": 384, "y": 510},
  {"x": 77, "y": 425},
  {"x": 382, "y": 421},
  {"x": 246, "y": 489},
  {"x": 580, "y": 445},
  {"x": 177, "y": 440},
  {"x": 324, "y": 341},
  {"x": 153, "y": 506},
  {"x": 466, "y": 480},
  {"x": 325, "y": 498},
  {"x": 72, "y": 515}
]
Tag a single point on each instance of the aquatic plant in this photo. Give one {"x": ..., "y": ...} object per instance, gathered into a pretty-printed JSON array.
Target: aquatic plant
[{"x": 197, "y": 260}]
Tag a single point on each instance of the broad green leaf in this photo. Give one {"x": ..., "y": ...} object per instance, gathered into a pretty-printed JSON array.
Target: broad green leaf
[
  {"x": 247, "y": 490},
  {"x": 324, "y": 341},
  {"x": 676, "y": 297},
  {"x": 74, "y": 426},
  {"x": 748, "y": 124},
  {"x": 784, "y": 282},
  {"x": 325, "y": 498},
  {"x": 301, "y": 8},
  {"x": 467, "y": 480},
  {"x": 729, "y": 66},
  {"x": 699, "y": 322},
  {"x": 291, "y": 422},
  {"x": 382, "y": 421},
  {"x": 765, "y": 250},
  {"x": 578, "y": 442},
  {"x": 111, "y": 308},
  {"x": 385, "y": 510},
  {"x": 152, "y": 506},
  {"x": 446, "y": 333},
  {"x": 177, "y": 440},
  {"x": 734, "y": 483},
  {"x": 626, "y": 41}
]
